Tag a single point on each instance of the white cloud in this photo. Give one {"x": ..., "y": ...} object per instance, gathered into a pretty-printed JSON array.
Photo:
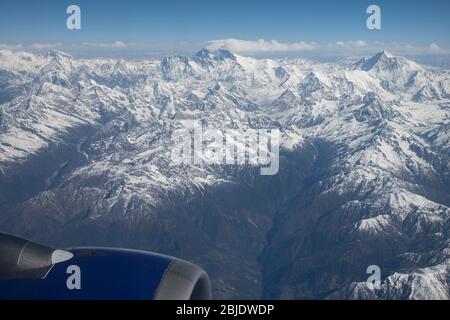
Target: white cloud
[
  {"x": 363, "y": 47},
  {"x": 273, "y": 46},
  {"x": 261, "y": 45},
  {"x": 350, "y": 44},
  {"x": 119, "y": 44},
  {"x": 116, "y": 44},
  {"x": 435, "y": 48},
  {"x": 45, "y": 46},
  {"x": 360, "y": 43},
  {"x": 247, "y": 47},
  {"x": 6, "y": 46}
]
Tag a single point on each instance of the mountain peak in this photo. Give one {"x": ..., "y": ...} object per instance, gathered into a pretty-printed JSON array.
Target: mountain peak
[
  {"x": 219, "y": 54},
  {"x": 58, "y": 54},
  {"x": 379, "y": 58},
  {"x": 385, "y": 62},
  {"x": 120, "y": 67},
  {"x": 384, "y": 54}
]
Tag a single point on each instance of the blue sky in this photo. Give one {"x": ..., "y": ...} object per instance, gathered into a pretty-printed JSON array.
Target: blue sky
[{"x": 186, "y": 25}]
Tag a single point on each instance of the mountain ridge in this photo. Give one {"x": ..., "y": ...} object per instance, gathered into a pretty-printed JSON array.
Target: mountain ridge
[{"x": 364, "y": 179}]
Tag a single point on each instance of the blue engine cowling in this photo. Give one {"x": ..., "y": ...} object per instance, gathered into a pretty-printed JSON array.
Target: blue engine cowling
[{"x": 29, "y": 271}]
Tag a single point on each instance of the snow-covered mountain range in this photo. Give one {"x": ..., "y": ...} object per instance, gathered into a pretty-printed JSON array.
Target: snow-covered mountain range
[{"x": 364, "y": 177}]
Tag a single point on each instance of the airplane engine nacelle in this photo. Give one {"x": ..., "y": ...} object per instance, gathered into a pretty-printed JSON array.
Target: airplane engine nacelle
[{"x": 30, "y": 271}]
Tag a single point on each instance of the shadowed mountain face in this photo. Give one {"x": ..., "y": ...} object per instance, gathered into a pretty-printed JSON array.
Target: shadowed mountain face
[{"x": 85, "y": 159}]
